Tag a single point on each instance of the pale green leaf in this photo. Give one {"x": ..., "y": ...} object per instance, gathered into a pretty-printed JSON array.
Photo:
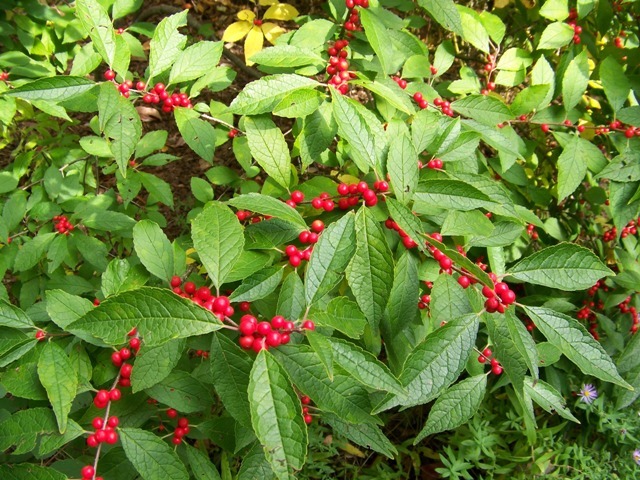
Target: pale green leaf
[
  {"x": 153, "y": 249},
  {"x": 167, "y": 43},
  {"x": 269, "y": 148},
  {"x": 260, "y": 96}
]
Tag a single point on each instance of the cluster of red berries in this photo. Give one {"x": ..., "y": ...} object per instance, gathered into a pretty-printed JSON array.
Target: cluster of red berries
[
  {"x": 305, "y": 401},
  {"x": 618, "y": 42},
  {"x": 617, "y": 126},
  {"x": 406, "y": 241},
  {"x": 531, "y": 231},
  {"x": 338, "y": 66},
  {"x": 351, "y": 194},
  {"x": 635, "y": 318},
  {"x": 599, "y": 285},
  {"x": 489, "y": 68},
  {"x": 297, "y": 197},
  {"x": 40, "y": 335},
  {"x": 425, "y": 299},
  {"x": 104, "y": 431},
  {"x": 88, "y": 473},
  {"x": 62, "y": 225},
  {"x": 219, "y": 306},
  {"x": 402, "y": 83},
  {"x": 119, "y": 360},
  {"x": 201, "y": 353},
  {"x": 585, "y": 313},
  {"x": 309, "y": 237},
  {"x": 182, "y": 427},
  {"x": 353, "y": 23},
  {"x": 4, "y": 76},
  {"x": 420, "y": 100},
  {"x": 577, "y": 29},
  {"x": 169, "y": 101},
  {"x": 486, "y": 354},
  {"x": 253, "y": 218},
  {"x": 433, "y": 164},
  {"x": 498, "y": 299},
  {"x": 444, "y": 105},
  {"x": 263, "y": 335}
]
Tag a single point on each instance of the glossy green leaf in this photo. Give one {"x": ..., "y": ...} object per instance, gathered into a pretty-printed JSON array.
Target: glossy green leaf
[
  {"x": 159, "y": 314},
  {"x": 286, "y": 56},
  {"x": 197, "y": 133},
  {"x": 261, "y": 96},
  {"x": 364, "y": 367},
  {"x": 548, "y": 398},
  {"x": 556, "y": 35},
  {"x": 317, "y": 134},
  {"x": 615, "y": 83},
  {"x": 343, "y": 315},
  {"x": 455, "y": 406},
  {"x": 29, "y": 471},
  {"x": 575, "y": 81},
  {"x": 154, "y": 364},
  {"x": 291, "y": 301},
  {"x": 276, "y": 417},
  {"x": 445, "y": 13},
  {"x": 330, "y": 256},
  {"x": 435, "y": 363},
  {"x": 566, "y": 266},
  {"x": 25, "y": 427},
  {"x": 230, "y": 369},
  {"x": 376, "y": 33},
  {"x": 473, "y": 30},
  {"x": 218, "y": 239},
  {"x": 153, "y": 249},
  {"x": 258, "y": 285},
  {"x": 402, "y": 166},
  {"x": 182, "y": 391},
  {"x": 573, "y": 163},
  {"x": 95, "y": 20},
  {"x": 353, "y": 127},
  {"x": 60, "y": 379},
  {"x": 55, "y": 89},
  {"x": 195, "y": 61},
  {"x": 299, "y": 103},
  {"x": 451, "y": 194},
  {"x": 14, "y": 317},
  {"x": 151, "y": 456},
  {"x": 485, "y": 109},
  {"x": 343, "y": 395},
  {"x": 265, "y": 205},
  {"x": 167, "y": 43},
  {"x": 32, "y": 251},
  {"x": 269, "y": 148},
  {"x": 573, "y": 340}
]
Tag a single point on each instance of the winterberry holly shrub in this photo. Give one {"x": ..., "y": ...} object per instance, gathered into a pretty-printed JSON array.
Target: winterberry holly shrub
[{"x": 412, "y": 210}]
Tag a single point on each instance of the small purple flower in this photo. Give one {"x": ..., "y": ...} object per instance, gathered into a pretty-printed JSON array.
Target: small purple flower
[
  {"x": 636, "y": 456},
  {"x": 588, "y": 393}
]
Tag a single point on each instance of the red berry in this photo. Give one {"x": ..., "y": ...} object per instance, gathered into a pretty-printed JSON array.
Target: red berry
[
  {"x": 264, "y": 328},
  {"x": 544, "y": 127},
  {"x": 308, "y": 419},
  {"x": 111, "y": 437},
  {"x": 176, "y": 440},
  {"x": 97, "y": 423},
  {"x": 134, "y": 343},
  {"x": 88, "y": 471},
  {"x": 278, "y": 322},
  {"x": 487, "y": 352},
  {"x": 317, "y": 226},
  {"x": 125, "y": 370},
  {"x": 125, "y": 354},
  {"x": 464, "y": 281},
  {"x": 274, "y": 339},
  {"x": 109, "y": 75},
  {"x": 92, "y": 441},
  {"x": 113, "y": 422},
  {"x": 297, "y": 196},
  {"x": 308, "y": 325},
  {"x": 183, "y": 422},
  {"x": 101, "y": 436},
  {"x": 246, "y": 342},
  {"x": 482, "y": 359},
  {"x": 295, "y": 260},
  {"x": 115, "y": 395},
  {"x": 40, "y": 335},
  {"x": 247, "y": 328},
  {"x": 190, "y": 288}
]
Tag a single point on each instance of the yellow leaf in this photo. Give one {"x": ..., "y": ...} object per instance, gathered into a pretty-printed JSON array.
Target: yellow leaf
[
  {"x": 272, "y": 31},
  {"x": 246, "y": 15},
  {"x": 253, "y": 44},
  {"x": 268, "y": 2},
  {"x": 592, "y": 102},
  {"x": 236, "y": 31},
  {"x": 281, "y": 11}
]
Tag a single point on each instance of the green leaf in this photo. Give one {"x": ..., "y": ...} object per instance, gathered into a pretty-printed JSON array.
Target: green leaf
[
  {"x": 402, "y": 306},
  {"x": 32, "y": 251},
  {"x": 159, "y": 314},
  {"x": 167, "y": 43},
  {"x": 371, "y": 267},
  {"x": 322, "y": 347},
  {"x": 575, "y": 81},
  {"x": 330, "y": 256},
  {"x": 556, "y": 35},
  {"x": 95, "y": 20},
  {"x": 269, "y": 147},
  {"x": 466, "y": 223},
  {"x": 407, "y": 221},
  {"x": 199, "y": 134},
  {"x": 153, "y": 249},
  {"x": 299, "y": 103},
  {"x": 402, "y": 166},
  {"x": 25, "y": 427},
  {"x": 261, "y": 96},
  {"x": 451, "y": 194},
  {"x": 485, "y": 109},
  {"x": 364, "y": 434},
  {"x": 548, "y": 398},
  {"x": 494, "y": 25},
  {"x": 573, "y": 163},
  {"x": 473, "y": 30},
  {"x": 258, "y": 285},
  {"x": 182, "y": 391},
  {"x": 60, "y": 379},
  {"x": 200, "y": 464},
  {"x": 566, "y": 266},
  {"x": 120, "y": 122},
  {"x": 390, "y": 92},
  {"x": 151, "y": 456},
  {"x": 29, "y": 471},
  {"x": 555, "y": 9},
  {"x": 448, "y": 300},
  {"x": 286, "y": 56},
  {"x": 291, "y": 301},
  {"x": 317, "y": 134},
  {"x": 195, "y": 61},
  {"x": 573, "y": 340},
  {"x": 54, "y": 89},
  {"x": 615, "y": 83},
  {"x": 266, "y": 205},
  {"x": 255, "y": 465},
  {"x": 353, "y": 127},
  {"x": 342, "y": 395},
  {"x": 230, "y": 369},
  {"x": 530, "y": 99},
  {"x": 435, "y": 363},
  {"x": 445, "y": 13},
  {"x": 377, "y": 36},
  {"x": 630, "y": 115},
  {"x": 343, "y": 315},
  {"x": 13, "y": 317},
  {"x": 623, "y": 168},
  {"x": 159, "y": 190},
  {"x": 455, "y": 406},
  {"x": 364, "y": 366},
  {"x": 154, "y": 364},
  {"x": 218, "y": 238},
  {"x": 276, "y": 417}
]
